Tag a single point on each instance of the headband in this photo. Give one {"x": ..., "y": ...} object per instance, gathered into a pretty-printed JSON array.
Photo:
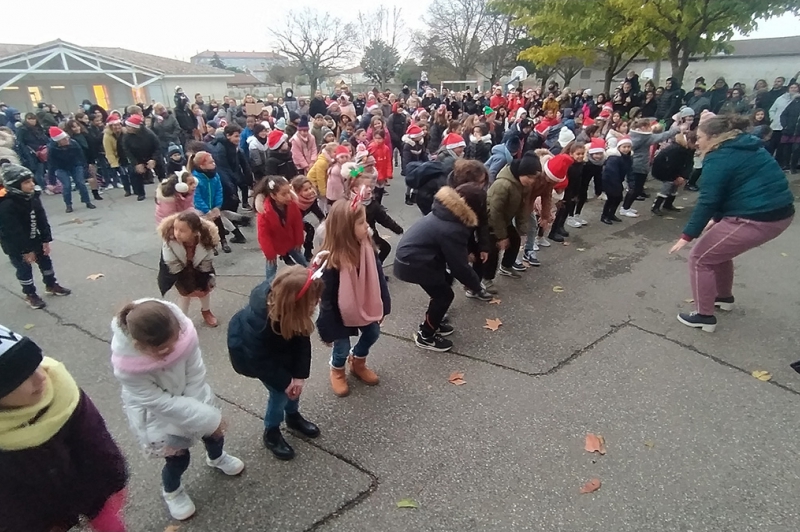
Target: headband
[
  {"x": 358, "y": 197},
  {"x": 315, "y": 271}
]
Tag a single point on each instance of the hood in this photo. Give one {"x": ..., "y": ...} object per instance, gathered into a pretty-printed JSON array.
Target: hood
[
  {"x": 501, "y": 149},
  {"x": 449, "y": 205},
  {"x": 288, "y": 96},
  {"x": 613, "y": 152},
  {"x": 10, "y": 113},
  {"x": 485, "y": 138},
  {"x": 253, "y": 143},
  {"x": 258, "y": 300},
  {"x": 412, "y": 143},
  {"x": 676, "y": 85}
]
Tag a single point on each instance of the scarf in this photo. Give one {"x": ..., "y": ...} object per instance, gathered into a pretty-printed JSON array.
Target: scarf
[
  {"x": 360, "y": 301},
  {"x": 31, "y": 426},
  {"x": 305, "y": 203}
]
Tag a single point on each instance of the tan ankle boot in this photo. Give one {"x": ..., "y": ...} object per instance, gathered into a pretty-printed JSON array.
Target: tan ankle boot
[
  {"x": 339, "y": 382},
  {"x": 359, "y": 369}
]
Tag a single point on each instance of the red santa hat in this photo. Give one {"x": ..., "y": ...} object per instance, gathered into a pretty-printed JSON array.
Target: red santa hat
[
  {"x": 556, "y": 168},
  {"x": 414, "y": 131},
  {"x": 113, "y": 118},
  {"x": 57, "y": 134},
  {"x": 342, "y": 150},
  {"x": 453, "y": 141},
  {"x": 134, "y": 121},
  {"x": 597, "y": 145},
  {"x": 624, "y": 140},
  {"x": 275, "y": 139},
  {"x": 605, "y": 114}
]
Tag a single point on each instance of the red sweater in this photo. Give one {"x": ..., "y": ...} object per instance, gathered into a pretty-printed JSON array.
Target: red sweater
[
  {"x": 383, "y": 160},
  {"x": 278, "y": 239}
]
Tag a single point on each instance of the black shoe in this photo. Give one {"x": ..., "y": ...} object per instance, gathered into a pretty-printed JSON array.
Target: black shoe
[
  {"x": 555, "y": 237},
  {"x": 69, "y": 209},
  {"x": 508, "y": 272},
  {"x": 434, "y": 342},
  {"x": 35, "y": 301},
  {"x": 128, "y": 194},
  {"x": 273, "y": 440},
  {"x": 518, "y": 266},
  {"x": 300, "y": 424},
  {"x": 238, "y": 237},
  {"x": 724, "y": 303},
  {"x": 563, "y": 232},
  {"x": 96, "y": 195},
  {"x": 698, "y": 321},
  {"x": 643, "y": 196},
  {"x": 225, "y": 247},
  {"x": 408, "y": 200},
  {"x": 140, "y": 197},
  {"x": 669, "y": 205},
  {"x": 656, "y": 211},
  {"x": 445, "y": 329},
  {"x": 216, "y": 252},
  {"x": 615, "y": 218},
  {"x": 57, "y": 290},
  {"x": 691, "y": 188},
  {"x": 90, "y": 206},
  {"x": 246, "y": 221},
  {"x": 606, "y": 221}
]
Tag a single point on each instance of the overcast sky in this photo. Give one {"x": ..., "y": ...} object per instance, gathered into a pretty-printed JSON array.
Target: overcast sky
[{"x": 156, "y": 27}]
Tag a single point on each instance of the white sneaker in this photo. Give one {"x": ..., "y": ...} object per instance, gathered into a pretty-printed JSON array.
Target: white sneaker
[
  {"x": 230, "y": 465},
  {"x": 180, "y": 505},
  {"x": 573, "y": 222},
  {"x": 581, "y": 219},
  {"x": 535, "y": 245},
  {"x": 119, "y": 185},
  {"x": 542, "y": 241},
  {"x": 628, "y": 212},
  {"x": 603, "y": 196},
  {"x": 110, "y": 187}
]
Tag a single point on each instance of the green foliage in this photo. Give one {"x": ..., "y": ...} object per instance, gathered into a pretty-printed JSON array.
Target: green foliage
[
  {"x": 217, "y": 62},
  {"x": 408, "y": 72},
  {"x": 380, "y": 62}
]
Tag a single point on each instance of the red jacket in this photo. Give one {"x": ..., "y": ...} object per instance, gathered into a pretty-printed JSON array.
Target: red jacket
[
  {"x": 496, "y": 101},
  {"x": 383, "y": 160},
  {"x": 275, "y": 238}
]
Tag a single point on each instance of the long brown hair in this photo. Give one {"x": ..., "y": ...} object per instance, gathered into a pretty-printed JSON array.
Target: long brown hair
[
  {"x": 289, "y": 316},
  {"x": 340, "y": 238},
  {"x": 208, "y": 234},
  {"x": 149, "y": 323}
]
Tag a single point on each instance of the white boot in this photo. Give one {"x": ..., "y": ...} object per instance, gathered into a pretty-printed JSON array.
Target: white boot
[
  {"x": 230, "y": 465},
  {"x": 180, "y": 505}
]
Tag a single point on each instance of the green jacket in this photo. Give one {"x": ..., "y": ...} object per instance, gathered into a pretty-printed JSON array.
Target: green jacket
[
  {"x": 740, "y": 179},
  {"x": 508, "y": 202}
]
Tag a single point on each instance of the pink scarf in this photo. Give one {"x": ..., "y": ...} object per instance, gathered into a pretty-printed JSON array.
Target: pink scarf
[{"x": 360, "y": 301}]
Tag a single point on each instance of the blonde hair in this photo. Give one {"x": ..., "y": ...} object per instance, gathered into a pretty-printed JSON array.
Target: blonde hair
[
  {"x": 330, "y": 147},
  {"x": 289, "y": 316},
  {"x": 340, "y": 237}
]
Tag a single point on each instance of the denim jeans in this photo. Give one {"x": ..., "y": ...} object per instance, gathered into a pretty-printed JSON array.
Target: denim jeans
[
  {"x": 531, "y": 238},
  {"x": 272, "y": 267},
  {"x": 176, "y": 466},
  {"x": 78, "y": 175},
  {"x": 278, "y": 404},
  {"x": 341, "y": 348},
  {"x": 37, "y": 167},
  {"x": 25, "y": 271}
]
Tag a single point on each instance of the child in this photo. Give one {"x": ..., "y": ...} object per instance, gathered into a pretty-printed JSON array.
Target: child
[
  {"x": 438, "y": 243},
  {"x": 175, "y": 194},
  {"x": 25, "y": 233},
  {"x": 336, "y": 183},
  {"x": 642, "y": 138},
  {"x": 318, "y": 174},
  {"x": 383, "y": 164},
  {"x": 376, "y": 214},
  {"x": 480, "y": 144},
  {"x": 356, "y": 296},
  {"x": 347, "y": 133},
  {"x": 175, "y": 160},
  {"x": 413, "y": 151},
  {"x": 59, "y": 461},
  {"x": 279, "y": 156},
  {"x": 270, "y": 340},
  {"x": 306, "y": 199},
  {"x": 618, "y": 165},
  {"x": 66, "y": 161},
  {"x": 304, "y": 147},
  {"x": 671, "y": 166},
  {"x": 280, "y": 225},
  {"x": 592, "y": 170},
  {"x": 187, "y": 251},
  {"x": 156, "y": 357}
]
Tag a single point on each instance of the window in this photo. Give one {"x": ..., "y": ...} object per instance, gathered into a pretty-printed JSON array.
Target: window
[
  {"x": 101, "y": 96},
  {"x": 35, "y": 95},
  {"x": 586, "y": 74},
  {"x": 139, "y": 95}
]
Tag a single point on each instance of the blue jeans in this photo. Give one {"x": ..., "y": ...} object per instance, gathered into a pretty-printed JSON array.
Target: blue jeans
[
  {"x": 278, "y": 404},
  {"x": 532, "y": 232},
  {"x": 78, "y": 174},
  {"x": 272, "y": 267},
  {"x": 341, "y": 348}
]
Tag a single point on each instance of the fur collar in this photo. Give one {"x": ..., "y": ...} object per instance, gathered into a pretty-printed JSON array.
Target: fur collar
[
  {"x": 454, "y": 203},
  {"x": 486, "y": 139},
  {"x": 718, "y": 140},
  {"x": 175, "y": 257}
]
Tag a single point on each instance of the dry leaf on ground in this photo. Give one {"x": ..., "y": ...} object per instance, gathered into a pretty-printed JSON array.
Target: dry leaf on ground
[
  {"x": 95, "y": 276},
  {"x": 784, "y": 254},
  {"x": 762, "y": 375},
  {"x": 690, "y": 300},
  {"x": 592, "y": 485},
  {"x": 495, "y": 301},
  {"x": 595, "y": 443},
  {"x": 649, "y": 444},
  {"x": 566, "y": 243},
  {"x": 407, "y": 503},
  {"x": 558, "y": 289},
  {"x": 29, "y": 326},
  {"x": 493, "y": 325},
  {"x": 457, "y": 378},
  {"x": 669, "y": 217},
  {"x": 581, "y": 249},
  {"x": 172, "y": 528},
  {"x": 77, "y": 220}
]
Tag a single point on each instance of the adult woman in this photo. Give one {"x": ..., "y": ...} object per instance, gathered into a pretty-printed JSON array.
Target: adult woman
[
  {"x": 745, "y": 202},
  {"x": 736, "y": 104},
  {"x": 79, "y": 133},
  {"x": 33, "y": 141}
]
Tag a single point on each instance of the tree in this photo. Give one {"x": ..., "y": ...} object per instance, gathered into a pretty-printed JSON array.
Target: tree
[
  {"x": 381, "y": 25},
  {"x": 317, "y": 42},
  {"x": 568, "y": 68},
  {"x": 456, "y": 33},
  {"x": 217, "y": 62},
  {"x": 281, "y": 74},
  {"x": 379, "y": 62},
  {"x": 408, "y": 72},
  {"x": 501, "y": 45}
]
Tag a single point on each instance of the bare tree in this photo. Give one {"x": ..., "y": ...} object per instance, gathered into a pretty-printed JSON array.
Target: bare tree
[
  {"x": 568, "y": 68},
  {"x": 456, "y": 32},
  {"x": 282, "y": 74},
  {"x": 317, "y": 42},
  {"x": 382, "y": 25},
  {"x": 501, "y": 46}
]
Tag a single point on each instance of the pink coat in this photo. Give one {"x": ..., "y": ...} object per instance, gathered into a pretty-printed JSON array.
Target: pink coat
[
  {"x": 169, "y": 206},
  {"x": 337, "y": 180},
  {"x": 304, "y": 152}
]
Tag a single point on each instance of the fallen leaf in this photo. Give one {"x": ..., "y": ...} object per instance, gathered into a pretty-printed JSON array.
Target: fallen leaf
[
  {"x": 581, "y": 249},
  {"x": 495, "y": 301},
  {"x": 595, "y": 443},
  {"x": 784, "y": 254},
  {"x": 457, "y": 378},
  {"x": 690, "y": 300},
  {"x": 762, "y": 375},
  {"x": 29, "y": 326},
  {"x": 592, "y": 485},
  {"x": 77, "y": 220},
  {"x": 669, "y": 218},
  {"x": 566, "y": 243},
  {"x": 493, "y": 325},
  {"x": 95, "y": 276},
  {"x": 407, "y": 503},
  {"x": 172, "y": 528},
  {"x": 649, "y": 444},
  {"x": 558, "y": 289}
]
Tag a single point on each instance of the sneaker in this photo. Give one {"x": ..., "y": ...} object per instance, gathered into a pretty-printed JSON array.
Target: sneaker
[
  {"x": 691, "y": 188},
  {"x": 518, "y": 266},
  {"x": 489, "y": 287},
  {"x": 483, "y": 295},
  {"x": 535, "y": 245},
  {"x": 110, "y": 187},
  {"x": 230, "y": 465},
  {"x": 508, "y": 273},
  {"x": 35, "y": 302},
  {"x": 630, "y": 213},
  {"x": 698, "y": 321},
  {"x": 603, "y": 196},
  {"x": 48, "y": 191},
  {"x": 573, "y": 221},
  {"x": 555, "y": 236},
  {"x": 541, "y": 241},
  {"x": 432, "y": 343},
  {"x": 531, "y": 259},
  {"x": 120, "y": 185},
  {"x": 445, "y": 329},
  {"x": 724, "y": 303},
  {"x": 57, "y": 290},
  {"x": 180, "y": 505}
]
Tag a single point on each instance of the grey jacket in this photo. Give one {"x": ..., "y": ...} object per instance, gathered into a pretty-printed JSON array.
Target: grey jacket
[{"x": 641, "y": 142}]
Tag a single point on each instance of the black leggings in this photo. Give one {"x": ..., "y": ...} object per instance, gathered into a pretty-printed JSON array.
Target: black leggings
[
  {"x": 176, "y": 466},
  {"x": 442, "y": 296},
  {"x": 583, "y": 193},
  {"x": 610, "y": 206},
  {"x": 308, "y": 243},
  {"x": 509, "y": 255},
  {"x": 384, "y": 248},
  {"x": 638, "y": 181},
  {"x": 695, "y": 177}
]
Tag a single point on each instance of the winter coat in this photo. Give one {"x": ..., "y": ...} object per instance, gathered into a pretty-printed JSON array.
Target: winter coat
[
  {"x": 278, "y": 237},
  {"x": 411, "y": 152},
  {"x": 383, "y": 161},
  {"x": 317, "y": 107},
  {"x": 480, "y": 150},
  {"x": 500, "y": 157},
  {"x": 769, "y": 98},
  {"x": 437, "y": 134},
  {"x": 168, "y": 402},
  {"x": 640, "y": 145},
  {"x": 167, "y": 130},
  {"x": 790, "y": 118},
  {"x": 700, "y": 103},
  {"x": 46, "y": 119},
  {"x": 233, "y": 169},
  {"x": 775, "y": 112},
  {"x": 113, "y": 148},
  {"x": 718, "y": 97},
  {"x": 740, "y": 179},
  {"x": 304, "y": 152},
  {"x": 616, "y": 168},
  {"x": 191, "y": 276},
  {"x": 31, "y": 137},
  {"x": 257, "y": 351},
  {"x": 318, "y": 173},
  {"x": 730, "y": 106},
  {"x": 280, "y": 163},
  {"x": 7, "y": 147},
  {"x": 257, "y": 152},
  {"x": 336, "y": 183},
  {"x": 167, "y": 206},
  {"x": 438, "y": 242},
  {"x": 670, "y": 101},
  {"x": 88, "y": 153},
  {"x": 141, "y": 147},
  {"x": 23, "y": 223},
  {"x": 66, "y": 157},
  {"x": 396, "y": 124},
  {"x": 508, "y": 203},
  {"x": 673, "y": 161},
  {"x": 208, "y": 194},
  {"x": 426, "y": 178}
]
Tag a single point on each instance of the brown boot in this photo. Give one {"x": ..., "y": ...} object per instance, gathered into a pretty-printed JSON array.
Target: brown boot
[
  {"x": 339, "y": 382},
  {"x": 359, "y": 369},
  {"x": 209, "y": 318}
]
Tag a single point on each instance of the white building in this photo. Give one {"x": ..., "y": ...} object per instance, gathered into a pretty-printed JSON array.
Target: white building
[{"x": 255, "y": 63}]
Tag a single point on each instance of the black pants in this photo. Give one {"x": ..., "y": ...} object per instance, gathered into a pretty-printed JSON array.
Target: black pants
[
  {"x": 377, "y": 194},
  {"x": 441, "y": 295},
  {"x": 598, "y": 185},
  {"x": 137, "y": 181},
  {"x": 695, "y": 177},
  {"x": 384, "y": 248},
  {"x": 245, "y": 191},
  {"x": 176, "y": 466},
  {"x": 558, "y": 221},
  {"x": 25, "y": 271},
  {"x": 509, "y": 255},
  {"x": 782, "y": 155},
  {"x": 583, "y": 192},
  {"x": 610, "y": 206},
  {"x": 794, "y": 159},
  {"x": 638, "y": 181},
  {"x": 774, "y": 142},
  {"x": 308, "y": 242}
]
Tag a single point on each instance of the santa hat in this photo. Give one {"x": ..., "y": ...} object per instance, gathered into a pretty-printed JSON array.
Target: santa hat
[
  {"x": 453, "y": 141},
  {"x": 19, "y": 358},
  {"x": 556, "y": 168},
  {"x": 275, "y": 139},
  {"x": 597, "y": 145},
  {"x": 113, "y": 119},
  {"x": 342, "y": 150},
  {"x": 134, "y": 121},
  {"x": 414, "y": 131},
  {"x": 624, "y": 140},
  {"x": 565, "y": 136},
  {"x": 57, "y": 133},
  {"x": 605, "y": 114}
]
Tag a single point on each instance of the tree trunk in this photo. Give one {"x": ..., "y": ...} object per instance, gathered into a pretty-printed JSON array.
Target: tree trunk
[
  {"x": 314, "y": 83},
  {"x": 609, "y": 78},
  {"x": 679, "y": 72}
]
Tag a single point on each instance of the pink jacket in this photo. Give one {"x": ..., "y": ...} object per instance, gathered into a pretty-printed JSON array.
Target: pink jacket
[
  {"x": 168, "y": 206},
  {"x": 337, "y": 179},
  {"x": 304, "y": 152}
]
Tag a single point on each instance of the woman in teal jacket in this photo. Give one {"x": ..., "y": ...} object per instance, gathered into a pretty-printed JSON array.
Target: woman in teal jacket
[{"x": 745, "y": 202}]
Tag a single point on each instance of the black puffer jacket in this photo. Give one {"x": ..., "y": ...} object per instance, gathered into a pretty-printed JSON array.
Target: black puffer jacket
[
  {"x": 670, "y": 101},
  {"x": 280, "y": 163},
  {"x": 426, "y": 178},
  {"x": 23, "y": 223}
]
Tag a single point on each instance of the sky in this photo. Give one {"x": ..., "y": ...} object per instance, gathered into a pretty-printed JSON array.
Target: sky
[{"x": 156, "y": 27}]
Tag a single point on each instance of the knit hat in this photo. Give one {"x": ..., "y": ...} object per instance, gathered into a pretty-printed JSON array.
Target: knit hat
[
  {"x": 453, "y": 141},
  {"x": 528, "y": 165},
  {"x": 13, "y": 175},
  {"x": 565, "y": 136},
  {"x": 556, "y": 168},
  {"x": 624, "y": 140},
  {"x": 275, "y": 139},
  {"x": 342, "y": 150},
  {"x": 280, "y": 124},
  {"x": 587, "y": 92},
  {"x": 686, "y": 111},
  {"x": 597, "y": 145},
  {"x": 303, "y": 125},
  {"x": 173, "y": 148},
  {"x": 113, "y": 119},
  {"x": 57, "y": 133},
  {"x": 705, "y": 115},
  {"x": 266, "y": 125},
  {"x": 487, "y": 110},
  {"x": 414, "y": 131},
  {"x": 19, "y": 358},
  {"x": 134, "y": 121},
  {"x": 326, "y": 131}
]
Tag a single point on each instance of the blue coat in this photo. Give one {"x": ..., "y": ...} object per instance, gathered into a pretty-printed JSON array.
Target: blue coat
[
  {"x": 616, "y": 168},
  {"x": 500, "y": 157},
  {"x": 208, "y": 194},
  {"x": 66, "y": 157}
]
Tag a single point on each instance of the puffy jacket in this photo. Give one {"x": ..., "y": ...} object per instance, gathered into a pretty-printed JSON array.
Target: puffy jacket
[
  {"x": 336, "y": 183},
  {"x": 790, "y": 118},
  {"x": 23, "y": 223},
  {"x": 396, "y": 124},
  {"x": 508, "y": 202},
  {"x": 673, "y": 161},
  {"x": 112, "y": 146},
  {"x": 616, "y": 168},
  {"x": 278, "y": 238},
  {"x": 208, "y": 194},
  {"x": 500, "y": 157},
  {"x": 739, "y": 107},
  {"x": 258, "y": 157},
  {"x": 426, "y": 178},
  {"x": 233, "y": 169},
  {"x": 304, "y": 152},
  {"x": 479, "y": 150},
  {"x": 280, "y": 163},
  {"x": 640, "y": 145},
  {"x": 167, "y": 130},
  {"x": 318, "y": 173},
  {"x": 65, "y": 157},
  {"x": 670, "y": 101},
  {"x": 141, "y": 146},
  {"x": 411, "y": 152}
]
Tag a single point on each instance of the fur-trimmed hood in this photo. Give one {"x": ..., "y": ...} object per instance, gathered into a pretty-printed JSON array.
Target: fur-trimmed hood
[{"x": 448, "y": 202}]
